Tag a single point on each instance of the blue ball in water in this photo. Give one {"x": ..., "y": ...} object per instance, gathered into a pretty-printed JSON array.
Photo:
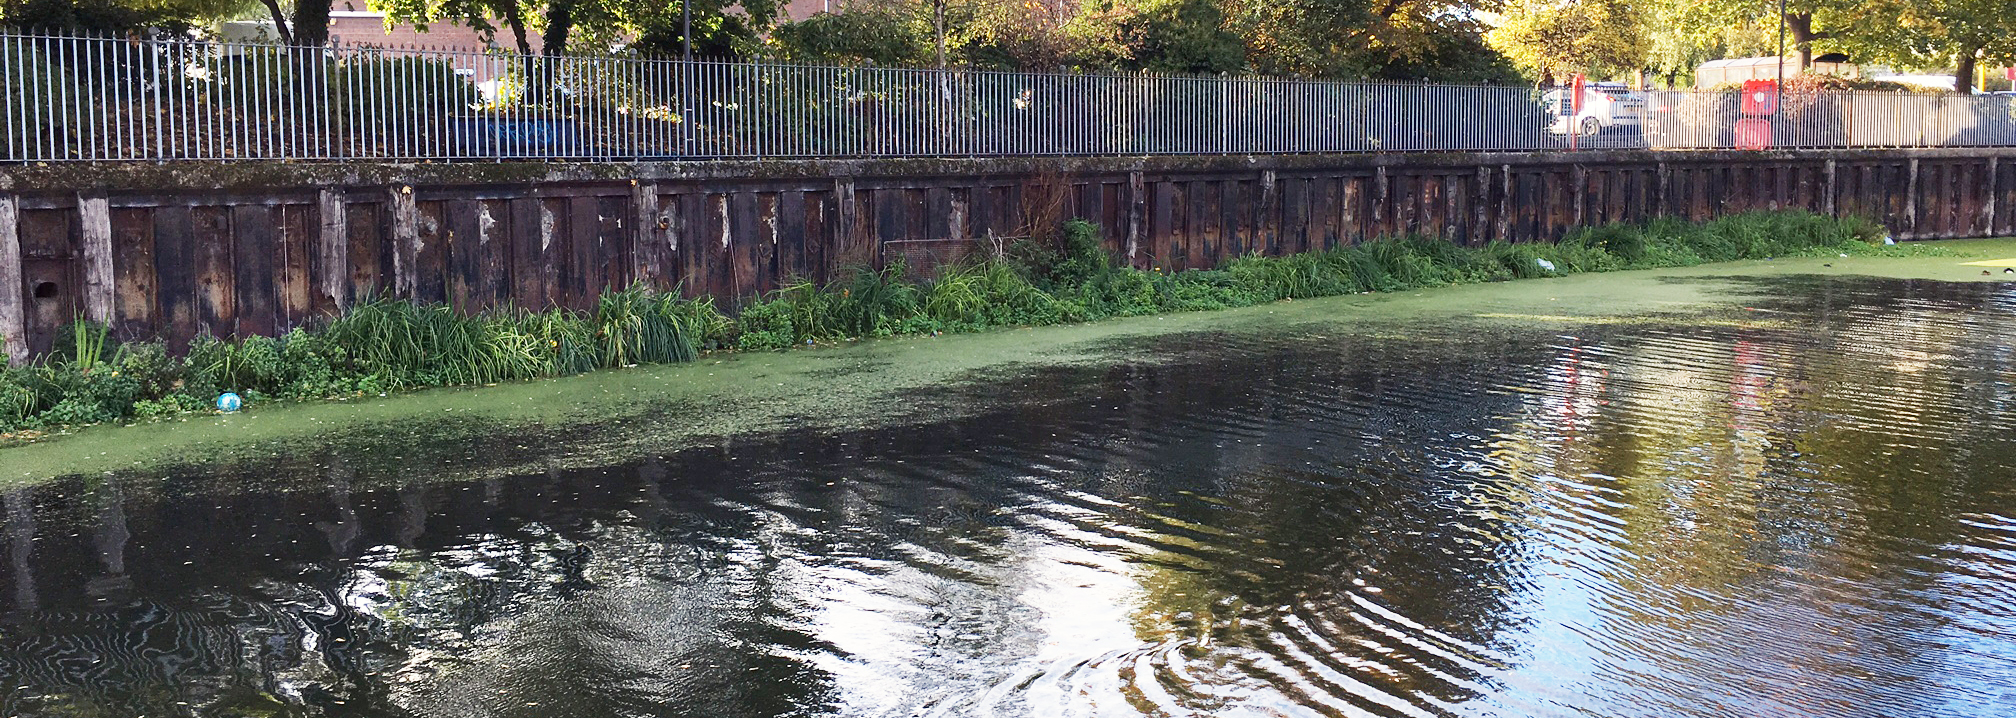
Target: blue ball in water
[{"x": 228, "y": 402}]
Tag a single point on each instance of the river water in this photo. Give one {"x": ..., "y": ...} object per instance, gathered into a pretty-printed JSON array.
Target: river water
[{"x": 1800, "y": 505}]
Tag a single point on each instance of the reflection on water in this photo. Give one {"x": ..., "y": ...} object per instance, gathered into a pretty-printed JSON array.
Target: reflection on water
[{"x": 1804, "y": 512}]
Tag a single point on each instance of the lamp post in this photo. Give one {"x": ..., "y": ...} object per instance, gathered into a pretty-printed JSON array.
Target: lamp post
[
  {"x": 686, "y": 130},
  {"x": 1780, "y": 88}
]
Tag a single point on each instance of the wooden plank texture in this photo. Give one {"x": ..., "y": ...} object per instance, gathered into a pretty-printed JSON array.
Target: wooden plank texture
[
  {"x": 330, "y": 269},
  {"x": 239, "y": 261},
  {"x": 216, "y": 282},
  {"x": 175, "y": 273},
  {"x": 133, "y": 273},
  {"x": 295, "y": 293},
  {"x": 405, "y": 242},
  {"x": 253, "y": 244},
  {"x": 13, "y": 289},
  {"x": 94, "y": 219}
]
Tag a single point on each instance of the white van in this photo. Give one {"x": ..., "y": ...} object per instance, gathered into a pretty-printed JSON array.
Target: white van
[{"x": 1603, "y": 106}]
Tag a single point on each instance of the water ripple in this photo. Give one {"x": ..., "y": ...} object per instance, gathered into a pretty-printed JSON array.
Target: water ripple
[{"x": 1811, "y": 516}]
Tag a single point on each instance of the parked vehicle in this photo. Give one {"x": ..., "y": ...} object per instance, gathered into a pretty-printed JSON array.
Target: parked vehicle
[{"x": 1603, "y": 107}]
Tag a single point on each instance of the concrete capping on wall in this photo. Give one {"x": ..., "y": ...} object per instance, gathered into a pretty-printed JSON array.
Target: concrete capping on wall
[
  {"x": 173, "y": 250},
  {"x": 140, "y": 177}
]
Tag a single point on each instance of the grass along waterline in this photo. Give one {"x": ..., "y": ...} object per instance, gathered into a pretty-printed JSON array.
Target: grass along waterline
[
  {"x": 389, "y": 345},
  {"x": 729, "y": 399}
]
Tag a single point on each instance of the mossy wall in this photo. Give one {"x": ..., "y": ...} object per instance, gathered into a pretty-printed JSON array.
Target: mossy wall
[{"x": 174, "y": 250}]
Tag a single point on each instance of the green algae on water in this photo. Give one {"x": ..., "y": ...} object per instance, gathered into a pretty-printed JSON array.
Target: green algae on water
[{"x": 721, "y": 399}]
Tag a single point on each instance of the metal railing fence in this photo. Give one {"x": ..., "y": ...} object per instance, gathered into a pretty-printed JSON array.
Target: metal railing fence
[{"x": 66, "y": 98}]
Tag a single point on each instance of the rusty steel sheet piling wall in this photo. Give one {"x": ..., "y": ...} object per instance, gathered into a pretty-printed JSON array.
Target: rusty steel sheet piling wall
[{"x": 172, "y": 250}]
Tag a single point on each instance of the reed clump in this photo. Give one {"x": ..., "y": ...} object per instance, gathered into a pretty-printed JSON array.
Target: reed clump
[
  {"x": 377, "y": 347},
  {"x": 1073, "y": 279},
  {"x": 387, "y": 345}
]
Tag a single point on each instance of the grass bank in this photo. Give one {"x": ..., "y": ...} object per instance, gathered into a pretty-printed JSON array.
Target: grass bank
[{"x": 386, "y": 346}]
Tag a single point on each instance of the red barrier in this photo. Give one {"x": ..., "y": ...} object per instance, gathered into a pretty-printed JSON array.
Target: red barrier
[
  {"x": 1753, "y": 133},
  {"x": 1760, "y": 102},
  {"x": 1760, "y": 98}
]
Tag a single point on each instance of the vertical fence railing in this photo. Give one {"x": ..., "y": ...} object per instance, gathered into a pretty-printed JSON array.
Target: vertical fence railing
[{"x": 73, "y": 98}]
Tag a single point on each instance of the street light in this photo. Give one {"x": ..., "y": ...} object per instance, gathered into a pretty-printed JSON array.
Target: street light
[
  {"x": 686, "y": 77},
  {"x": 1781, "y": 48},
  {"x": 1778, "y": 90}
]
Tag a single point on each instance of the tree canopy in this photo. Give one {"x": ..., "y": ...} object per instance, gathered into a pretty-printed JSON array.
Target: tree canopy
[
  {"x": 1355, "y": 39},
  {"x": 1957, "y": 34},
  {"x": 1438, "y": 40},
  {"x": 1682, "y": 34},
  {"x": 117, "y": 16},
  {"x": 1390, "y": 39},
  {"x": 1551, "y": 39},
  {"x": 721, "y": 28},
  {"x": 1669, "y": 38}
]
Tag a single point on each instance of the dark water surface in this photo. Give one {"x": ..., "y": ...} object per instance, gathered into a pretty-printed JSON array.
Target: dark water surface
[{"x": 1803, "y": 509}]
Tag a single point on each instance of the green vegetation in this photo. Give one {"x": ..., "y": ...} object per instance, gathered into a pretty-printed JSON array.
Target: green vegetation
[
  {"x": 387, "y": 345},
  {"x": 1460, "y": 41},
  {"x": 1035, "y": 285},
  {"x": 1619, "y": 39},
  {"x": 377, "y": 347}
]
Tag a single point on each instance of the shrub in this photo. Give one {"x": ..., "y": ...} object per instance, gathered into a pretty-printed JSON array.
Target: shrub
[{"x": 766, "y": 325}]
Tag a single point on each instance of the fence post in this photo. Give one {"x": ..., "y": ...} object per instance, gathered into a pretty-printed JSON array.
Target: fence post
[
  {"x": 843, "y": 201},
  {"x": 1505, "y": 203},
  {"x": 13, "y": 317},
  {"x": 333, "y": 246},
  {"x": 1480, "y": 212},
  {"x": 1380, "y": 185},
  {"x": 1578, "y": 192},
  {"x": 405, "y": 242},
  {"x": 94, "y": 217},
  {"x": 1911, "y": 200},
  {"x": 1827, "y": 186},
  {"x": 1268, "y": 220},
  {"x": 648, "y": 251},
  {"x": 1136, "y": 205},
  {"x": 1988, "y": 207},
  {"x": 1663, "y": 182}
]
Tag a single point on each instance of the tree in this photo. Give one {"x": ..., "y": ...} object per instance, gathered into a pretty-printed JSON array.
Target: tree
[
  {"x": 1956, "y": 34},
  {"x": 116, "y": 17},
  {"x": 1945, "y": 34},
  {"x": 1682, "y": 34},
  {"x": 1551, "y": 39},
  {"x": 1039, "y": 35},
  {"x": 1394, "y": 39},
  {"x": 1454, "y": 58},
  {"x": 888, "y": 36},
  {"x": 1832, "y": 24},
  {"x": 721, "y": 29},
  {"x": 975, "y": 33},
  {"x": 1181, "y": 36},
  {"x": 1359, "y": 38},
  {"x": 306, "y": 26},
  {"x": 480, "y": 15}
]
